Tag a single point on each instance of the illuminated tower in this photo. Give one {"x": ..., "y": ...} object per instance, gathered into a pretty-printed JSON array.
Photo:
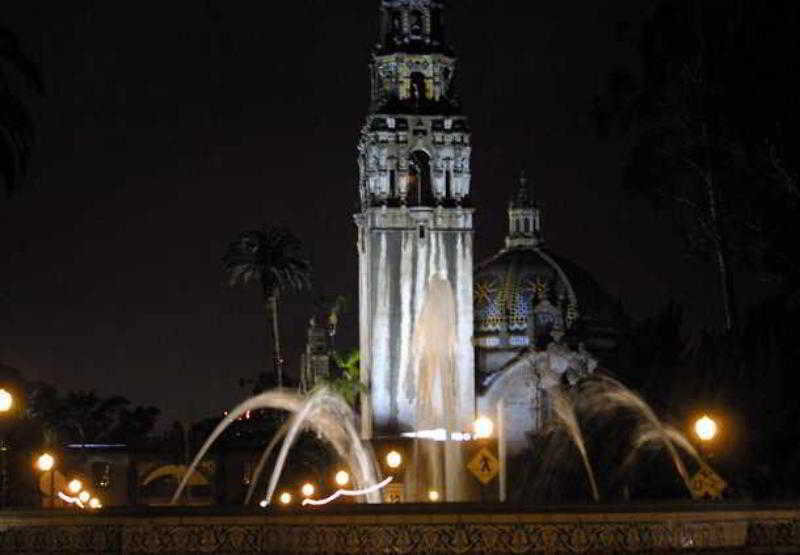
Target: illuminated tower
[{"x": 415, "y": 221}]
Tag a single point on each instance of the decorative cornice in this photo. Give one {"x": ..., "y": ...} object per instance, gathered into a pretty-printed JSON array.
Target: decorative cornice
[{"x": 409, "y": 530}]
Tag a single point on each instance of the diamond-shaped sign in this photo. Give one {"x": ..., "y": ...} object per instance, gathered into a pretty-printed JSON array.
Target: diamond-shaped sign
[
  {"x": 394, "y": 493},
  {"x": 707, "y": 483},
  {"x": 484, "y": 465}
]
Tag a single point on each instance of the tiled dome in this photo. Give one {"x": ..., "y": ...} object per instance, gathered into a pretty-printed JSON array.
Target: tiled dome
[
  {"x": 519, "y": 288},
  {"x": 526, "y": 296}
]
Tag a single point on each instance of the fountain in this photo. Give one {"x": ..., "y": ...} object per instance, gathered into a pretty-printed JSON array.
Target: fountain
[
  {"x": 431, "y": 386},
  {"x": 601, "y": 405},
  {"x": 322, "y": 411}
]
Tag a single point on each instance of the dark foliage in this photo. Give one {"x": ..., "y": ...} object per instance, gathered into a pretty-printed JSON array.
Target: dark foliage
[
  {"x": 17, "y": 128},
  {"x": 712, "y": 115}
]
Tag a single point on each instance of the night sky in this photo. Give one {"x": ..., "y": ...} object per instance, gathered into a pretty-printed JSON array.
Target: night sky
[{"x": 169, "y": 127}]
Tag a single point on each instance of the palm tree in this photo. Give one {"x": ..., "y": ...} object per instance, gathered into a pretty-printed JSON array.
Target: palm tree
[
  {"x": 17, "y": 129},
  {"x": 270, "y": 256}
]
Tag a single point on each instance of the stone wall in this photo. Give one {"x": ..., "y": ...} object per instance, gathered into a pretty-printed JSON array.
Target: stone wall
[{"x": 407, "y": 529}]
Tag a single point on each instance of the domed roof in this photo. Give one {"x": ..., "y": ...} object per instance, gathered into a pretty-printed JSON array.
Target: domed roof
[
  {"x": 510, "y": 284},
  {"x": 527, "y": 296},
  {"x": 524, "y": 293}
]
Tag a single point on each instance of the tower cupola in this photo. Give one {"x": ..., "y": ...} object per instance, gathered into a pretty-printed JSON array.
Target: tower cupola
[
  {"x": 411, "y": 26},
  {"x": 524, "y": 221}
]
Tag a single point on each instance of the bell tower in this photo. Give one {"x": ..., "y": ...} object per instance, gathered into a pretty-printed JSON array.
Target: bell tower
[{"x": 415, "y": 221}]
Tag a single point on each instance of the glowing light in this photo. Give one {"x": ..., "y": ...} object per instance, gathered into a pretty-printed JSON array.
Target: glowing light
[
  {"x": 74, "y": 486},
  {"x": 348, "y": 492},
  {"x": 341, "y": 478},
  {"x": 308, "y": 489},
  {"x": 262, "y": 503},
  {"x": 705, "y": 428},
  {"x": 45, "y": 462},
  {"x": 433, "y": 495},
  {"x": 285, "y": 498},
  {"x": 6, "y": 400},
  {"x": 84, "y": 496},
  {"x": 483, "y": 427},
  {"x": 94, "y": 503},
  {"x": 71, "y": 500},
  {"x": 437, "y": 434},
  {"x": 394, "y": 459}
]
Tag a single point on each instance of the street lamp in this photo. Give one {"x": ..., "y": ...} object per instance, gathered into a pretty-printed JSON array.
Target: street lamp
[
  {"x": 341, "y": 478},
  {"x": 285, "y": 498},
  {"x": 94, "y": 503},
  {"x": 6, "y": 402},
  {"x": 307, "y": 489},
  {"x": 84, "y": 496},
  {"x": 705, "y": 428},
  {"x": 394, "y": 459},
  {"x": 483, "y": 427},
  {"x": 433, "y": 495},
  {"x": 45, "y": 463},
  {"x": 75, "y": 486}
]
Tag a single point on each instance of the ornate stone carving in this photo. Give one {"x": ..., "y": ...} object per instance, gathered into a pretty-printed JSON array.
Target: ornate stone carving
[{"x": 659, "y": 532}]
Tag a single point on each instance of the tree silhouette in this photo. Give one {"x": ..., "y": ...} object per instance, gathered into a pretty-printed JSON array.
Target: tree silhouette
[
  {"x": 708, "y": 145},
  {"x": 17, "y": 129},
  {"x": 271, "y": 257}
]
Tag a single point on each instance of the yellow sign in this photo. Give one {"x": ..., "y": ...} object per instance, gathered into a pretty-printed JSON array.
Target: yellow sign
[
  {"x": 484, "y": 465},
  {"x": 394, "y": 493},
  {"x": 707, "y": 483}
]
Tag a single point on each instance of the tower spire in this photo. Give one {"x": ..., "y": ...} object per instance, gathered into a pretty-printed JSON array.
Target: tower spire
[{"x": 524, "y": 221}]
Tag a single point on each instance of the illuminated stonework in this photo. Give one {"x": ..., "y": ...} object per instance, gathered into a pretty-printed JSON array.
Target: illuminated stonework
[{"x": 414, "y": 224}]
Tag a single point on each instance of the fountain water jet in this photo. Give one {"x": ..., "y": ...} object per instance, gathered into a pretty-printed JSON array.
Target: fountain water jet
[
  {"x": 594, "y": 405},
  {"x": 431, "y": 383},
  {"x": 263, "y": 461},
  {"x": 607, "y": 394},
  {"x": 564, "y": 411},
  {"x": 322, "y": 411}
]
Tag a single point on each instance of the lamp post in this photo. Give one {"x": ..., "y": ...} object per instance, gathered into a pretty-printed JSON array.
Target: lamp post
[
  {"x": 6, "y": 402},
  {"x": 46, "y": 463}
]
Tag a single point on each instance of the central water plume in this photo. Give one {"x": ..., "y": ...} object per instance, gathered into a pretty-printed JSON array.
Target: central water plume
[
  {"x": 324, "y": 412},
  {"x": 432, "y": 385}
]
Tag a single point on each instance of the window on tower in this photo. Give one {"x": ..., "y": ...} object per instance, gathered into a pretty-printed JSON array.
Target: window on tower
[
  {"x": 420, "y": 192},
  {"x": 417, "y": 91},
  {"x": 416, "y": 23},
  {"x": 436, "y": 24},
  {"x": 397, "y": 24}
]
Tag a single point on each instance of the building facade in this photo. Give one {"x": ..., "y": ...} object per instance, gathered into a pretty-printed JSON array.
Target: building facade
[{"x": 532, "y": 318}]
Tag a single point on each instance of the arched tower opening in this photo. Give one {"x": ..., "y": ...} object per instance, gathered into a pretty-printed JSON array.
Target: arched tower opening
[
  {"x": 420, "y": 192},
  {"x": 417, "y": 87}
]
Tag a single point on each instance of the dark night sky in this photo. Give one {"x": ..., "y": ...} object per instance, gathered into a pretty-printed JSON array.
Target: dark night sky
[{"x": 168, "y": 127}]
